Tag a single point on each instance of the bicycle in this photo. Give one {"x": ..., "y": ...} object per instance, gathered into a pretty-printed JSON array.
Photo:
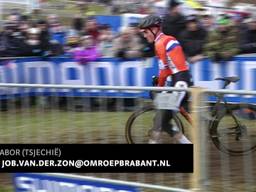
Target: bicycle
[{"x": 229, "y": 131}]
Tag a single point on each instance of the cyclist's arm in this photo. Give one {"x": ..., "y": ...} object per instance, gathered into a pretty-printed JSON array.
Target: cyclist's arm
[{"x": 163, "y": 74}]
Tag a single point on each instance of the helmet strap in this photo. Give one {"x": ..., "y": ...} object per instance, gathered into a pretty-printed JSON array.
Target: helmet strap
[{"x": 155, "y": 34}]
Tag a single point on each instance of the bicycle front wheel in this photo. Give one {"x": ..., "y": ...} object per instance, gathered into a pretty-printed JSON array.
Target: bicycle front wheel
[
  {"x": 139, "y": 126},
  {"x": 234, "y": 132}
]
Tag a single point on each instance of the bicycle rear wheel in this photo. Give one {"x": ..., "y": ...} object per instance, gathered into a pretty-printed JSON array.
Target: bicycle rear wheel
[
  {"x": 234, "y": 132},
  {"x": 138, "y": 126}
]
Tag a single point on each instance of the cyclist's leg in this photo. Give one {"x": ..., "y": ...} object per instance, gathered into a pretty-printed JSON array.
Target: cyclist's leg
[
  {"x": 163, "y": 117},
  {"x": 160, "y": 124},
  {"x": 182, "y": 101}
]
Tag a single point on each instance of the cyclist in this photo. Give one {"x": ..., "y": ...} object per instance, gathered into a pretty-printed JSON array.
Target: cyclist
[{"x": 172, "y": 63}]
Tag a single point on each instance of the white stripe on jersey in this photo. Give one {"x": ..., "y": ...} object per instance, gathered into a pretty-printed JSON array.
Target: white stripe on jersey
[{"x": 171, "y": 43}]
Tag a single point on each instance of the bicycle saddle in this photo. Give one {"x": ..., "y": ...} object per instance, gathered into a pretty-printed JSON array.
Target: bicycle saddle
[{"x": 229, "y": 79}]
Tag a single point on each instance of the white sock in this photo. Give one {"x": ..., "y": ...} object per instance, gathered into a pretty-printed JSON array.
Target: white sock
[{"x": 183, "y": 140}]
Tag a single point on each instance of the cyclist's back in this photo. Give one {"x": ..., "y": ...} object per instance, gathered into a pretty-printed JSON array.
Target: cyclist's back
[
  {"x": 171, "y": 60},
  {"x": 170, "y": 53}
]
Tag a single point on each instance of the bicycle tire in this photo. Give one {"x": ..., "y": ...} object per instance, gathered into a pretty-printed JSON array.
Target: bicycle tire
[
  {"x": 129, "y": 127},
  {"x": 224, "y": 138}
]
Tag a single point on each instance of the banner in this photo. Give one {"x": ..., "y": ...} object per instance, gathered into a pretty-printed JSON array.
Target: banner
[
  {"x": 205, "y": 71},
  {"x": 114, "y": 72},
  {"x": 30, "y": 182},
  {"x": 62, "y": 70}
]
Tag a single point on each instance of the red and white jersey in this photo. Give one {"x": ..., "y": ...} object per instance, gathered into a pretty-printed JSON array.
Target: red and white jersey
[{"x": 170, "y": 54}]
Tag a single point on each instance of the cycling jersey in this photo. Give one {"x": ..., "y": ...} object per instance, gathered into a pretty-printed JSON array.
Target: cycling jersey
[{"x": 170, "y": 55}]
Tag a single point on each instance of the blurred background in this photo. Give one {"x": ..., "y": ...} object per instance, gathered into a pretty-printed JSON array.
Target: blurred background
[
  {"x": 96, "y": 42},
  {"x": 58, "y": 27}
]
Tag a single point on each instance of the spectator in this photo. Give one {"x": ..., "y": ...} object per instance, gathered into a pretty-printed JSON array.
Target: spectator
[
  {"x": 44, "y": 34},
  {"x": 49, "y": 47},
  {"x": 208, "y": 23},
  {"x": 14, "y": 18},
  {"x": 52, "y": 19},
  {"x": 12, "y": 42},
  {"x": 106, "y": 41},
  {"x": 193, "y": 39},
  {"x": 13, "y": 36},
  {"x": 222, "y": 43},
  {"x": 23, "y": 28},
  {"x": 87, "y": 52},
  {"x": 33, "y": 44},
  {"x": 126, "y": 45},
  {"x": 77, "y": 24},
  {"x": 248, "y": 36},
  {"x": 174, "y": 22},
  {"x": 72, "y": 40},
  {"x": 57, "y": 31},
  {"x": 91, "y": 28}
]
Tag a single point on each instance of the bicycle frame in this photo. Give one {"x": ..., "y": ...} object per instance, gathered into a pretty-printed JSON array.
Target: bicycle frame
[
  {"x": 221, "y": 98},
  {"x": 215, "y": 111}
]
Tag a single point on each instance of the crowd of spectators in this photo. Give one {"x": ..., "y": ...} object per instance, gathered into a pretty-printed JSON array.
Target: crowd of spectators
[
  {"x": 218, "y": 38},
  {"x": 116, "y": 7},
  {"x": 131, "y": 6},
  {"x": 192, "y": 32},
  {"x": 201, "y": 36},
  {"x": 85, "y": 39},
  {"x": 21, "y": 37}
]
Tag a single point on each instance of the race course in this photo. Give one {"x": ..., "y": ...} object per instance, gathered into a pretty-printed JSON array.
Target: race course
[{"x": 40, "y": 125}]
